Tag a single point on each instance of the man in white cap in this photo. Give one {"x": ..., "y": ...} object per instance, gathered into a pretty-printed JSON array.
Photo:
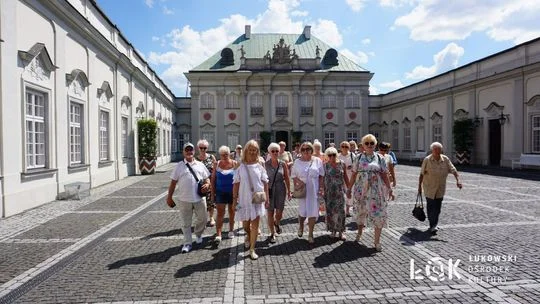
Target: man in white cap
[{"x": 189, "y": 201}]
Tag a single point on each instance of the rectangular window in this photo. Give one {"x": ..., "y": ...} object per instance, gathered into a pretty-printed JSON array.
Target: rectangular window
[
  {"x": 384, "y": 136},
  {"x": 536, "y": 134},
  {"x": 210, "y": 137},
  {"x": 158, "y": 142},
  {"x": 306, "y": 105},
  {"x": 174, "y": 146},
  {"x": 183, "y": 138},
  {"x": 282, "y": 105},
  {"x": 329, "y": 137},
  {"x": 207, "y": 101},
  {"x": 352, "y": 135},
  {"x": 329, "y": 101},
  {"x": 352, "y": 101},
  {"x": 103, "y": 135},
  {"x": 395, "y": 138},
  {"x": 255, "y": 135},
  {"x": 164, "y": 144},
  {"x": 256, "y": 105},
  {"x": 233, "y": 139},
  {"x": 307, "y": 136},
  {"x": 232, "y": 102},
  {"x": 420, "y": 139},
  {"x": 407, "y": 137},
  {"x": 167, "y": 151},
  {"x": 125, "y": 137},
  {"x": 36, "y": 131},
  {"x": 75, "y": 133},
  {"x": 437, "y": 133}
]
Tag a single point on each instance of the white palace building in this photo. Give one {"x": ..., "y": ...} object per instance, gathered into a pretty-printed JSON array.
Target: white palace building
[{"x": 72, "y": 88}]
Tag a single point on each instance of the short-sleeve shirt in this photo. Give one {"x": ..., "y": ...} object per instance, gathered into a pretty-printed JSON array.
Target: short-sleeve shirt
[
  {"x": 187, "y": 185},
  {"x": 435, "y": 173}
]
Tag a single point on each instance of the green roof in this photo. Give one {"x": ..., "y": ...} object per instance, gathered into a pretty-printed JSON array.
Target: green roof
[{"x": 259, "y": 44}]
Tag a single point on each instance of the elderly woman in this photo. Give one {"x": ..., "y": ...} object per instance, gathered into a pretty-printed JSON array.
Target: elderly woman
[
  {"x": 308, "y": 172},
  {"x": 208, "y": 161},
  {"x": 354, "y": 147},
  {"x": 335, "y": 181},
  {"x": 383, "y": 151},
  {"x": 222, "y": 189},
  {"x": 237, "y": 154},
  {"x": 347, "y": 157},
  {"x": 370, "y": 194},
  {"x": 435, "y": 169},
  {"x": 317, "y": 150},
  {"x": 278, "y": 189},
  {"x": 285, "y": 156},
  {"x": 250, "y": 178}
]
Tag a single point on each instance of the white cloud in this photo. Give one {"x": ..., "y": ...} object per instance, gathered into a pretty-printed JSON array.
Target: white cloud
[
  {"x": 358, "y": 57},
  {"x": 167, "y": 11},
  {"x": 155, "y": 38},
  {"x": 327, "y": 31},
  {"x": 396, "y": 3},
  {"x": 149, "y": 3},
  {"x": 356, "y": 5},
  {"x": 299, "y": 13},
  {"x": 372, "y": 54},
  {"x": 191, "y": 47},
  {"x": 430, "y": 20},
  {"x": 446, "y": 59},
  {"x": 392, "y": 85},
  {"x": 366, "y": 41},
  {"x": 373, "y": 90}
]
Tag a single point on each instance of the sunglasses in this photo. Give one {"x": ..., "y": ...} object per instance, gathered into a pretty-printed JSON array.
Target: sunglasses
[
  {"x": 274, "y": 151},
  {"x": 188, "y": 149},
  {"x": 203, "y": 148},
  {"x": 369, "y": 143},
  {"x": 305, "y": 149},
  {"x": 345, "y": 147},
  {"x": 331, "y": 155}
]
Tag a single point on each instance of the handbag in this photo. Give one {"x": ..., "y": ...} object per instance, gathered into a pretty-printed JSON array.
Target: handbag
[
  {"x": 258, "y": 197},
  {"x": 200, "y": 183},
  {"x": 299, "y": 190},
  {"x": 418, "y": 210}
]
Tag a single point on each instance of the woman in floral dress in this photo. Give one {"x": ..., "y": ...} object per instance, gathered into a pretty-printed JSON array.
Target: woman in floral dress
[
  {"x": 370, "y": 176},
  {"x": 335, "y": 178}
]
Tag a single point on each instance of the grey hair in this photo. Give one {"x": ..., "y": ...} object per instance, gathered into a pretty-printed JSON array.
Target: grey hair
[
  {"x": 224, "y": 149},
  {"x": 273, "y": 146},
  {"x": 317, "y": 143},
  {"x": 202, "y": 141},
  {"x": 435, "y": 144},
  {"x": 331, "y": 150}
]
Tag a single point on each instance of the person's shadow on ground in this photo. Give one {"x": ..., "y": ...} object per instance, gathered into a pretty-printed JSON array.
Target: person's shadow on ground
[
  {"x": 220, "y": 260},
  {"x": 413, "y": 236},
  {"x": 345, "y": 252},
  {"x": 156, "y": 257}
]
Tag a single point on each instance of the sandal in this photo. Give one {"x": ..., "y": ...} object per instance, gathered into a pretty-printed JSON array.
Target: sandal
[
  {"x": 253, "y": 255},
  {"x": 310, "y": 240},
  {"x": 278, "y": 228},
  {"x": 300, "y": 232}
]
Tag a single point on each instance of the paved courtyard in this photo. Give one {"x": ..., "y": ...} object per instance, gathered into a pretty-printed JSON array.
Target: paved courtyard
[{"x": 122, "y": 244}]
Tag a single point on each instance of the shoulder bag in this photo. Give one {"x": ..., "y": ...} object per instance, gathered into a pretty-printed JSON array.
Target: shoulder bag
[
  {"x": 258, "y": 197},
  {"x": 418, "y": 210},
  {"x": 200, "y": 183},
  {"x": 300, "y": 188}
]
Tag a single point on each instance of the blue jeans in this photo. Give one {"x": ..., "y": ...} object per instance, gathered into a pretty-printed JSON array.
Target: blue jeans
[{"x": 433, "y": 211}]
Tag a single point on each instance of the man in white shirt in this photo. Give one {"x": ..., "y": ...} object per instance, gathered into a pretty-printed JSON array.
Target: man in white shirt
[{"x": 189, "y": 201}]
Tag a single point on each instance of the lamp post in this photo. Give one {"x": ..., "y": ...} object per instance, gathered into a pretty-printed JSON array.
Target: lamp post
[{"x": 503, "y": 118}]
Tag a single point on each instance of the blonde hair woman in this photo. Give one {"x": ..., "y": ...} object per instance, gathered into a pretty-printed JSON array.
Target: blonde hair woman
[
  {"x": 250, "y": 177},
  {"x": 309, "y": 172},
  {"x": 370, "y": 194}
]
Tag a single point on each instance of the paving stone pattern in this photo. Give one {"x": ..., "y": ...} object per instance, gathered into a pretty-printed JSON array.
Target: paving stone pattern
[{"x": 140, "y": 260}]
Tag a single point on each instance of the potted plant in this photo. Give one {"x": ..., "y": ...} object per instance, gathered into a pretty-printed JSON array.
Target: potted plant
[
  {"x": 463, "y": 132},
  {"x": 147, "y": 145}
]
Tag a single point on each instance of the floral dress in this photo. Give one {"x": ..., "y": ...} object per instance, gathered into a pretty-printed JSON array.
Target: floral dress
[
  {"x": 370, "y": 193},
  {"x": 334, "y": 197}
]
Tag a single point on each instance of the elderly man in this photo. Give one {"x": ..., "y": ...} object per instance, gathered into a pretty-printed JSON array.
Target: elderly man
[
  {"x": 187, "y": 174},
  {"x": 435, "y": 169}
]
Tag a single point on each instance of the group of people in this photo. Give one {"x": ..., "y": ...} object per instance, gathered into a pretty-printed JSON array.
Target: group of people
[{"x": 358, "y": 180}]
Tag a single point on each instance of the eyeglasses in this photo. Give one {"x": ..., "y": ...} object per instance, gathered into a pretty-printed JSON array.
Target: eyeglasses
[
  {"x": 203, "y": 148},
  {"x": 305, "y": 149},
  {"x": 331, "y": 155},
  {"x": 369, "y": 143},
  {"x": 344, "y": 147},
  {"x": 188, "y": 149},
  {"x": 274, "y": 151},
  {"x": 224, "y": 154}
]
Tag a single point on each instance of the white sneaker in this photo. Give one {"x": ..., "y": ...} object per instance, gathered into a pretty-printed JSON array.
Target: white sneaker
[
  {"x": 186, "y": 248},
  {"x": 199, "y": 240},
  {"x": 218, "y": 239},
  {"x": 231, "y": 235}
]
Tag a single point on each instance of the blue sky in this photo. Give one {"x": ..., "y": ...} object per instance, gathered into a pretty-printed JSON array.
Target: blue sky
[{"x": 400, "y": 41}]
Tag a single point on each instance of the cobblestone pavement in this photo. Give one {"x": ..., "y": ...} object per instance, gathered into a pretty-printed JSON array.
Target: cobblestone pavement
[{"x": 122, "y": 245}]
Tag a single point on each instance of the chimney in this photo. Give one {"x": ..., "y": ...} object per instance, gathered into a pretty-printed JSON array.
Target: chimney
[
  {"x": 248, "y": 32},
  {"x": 307, "y": 32}
]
